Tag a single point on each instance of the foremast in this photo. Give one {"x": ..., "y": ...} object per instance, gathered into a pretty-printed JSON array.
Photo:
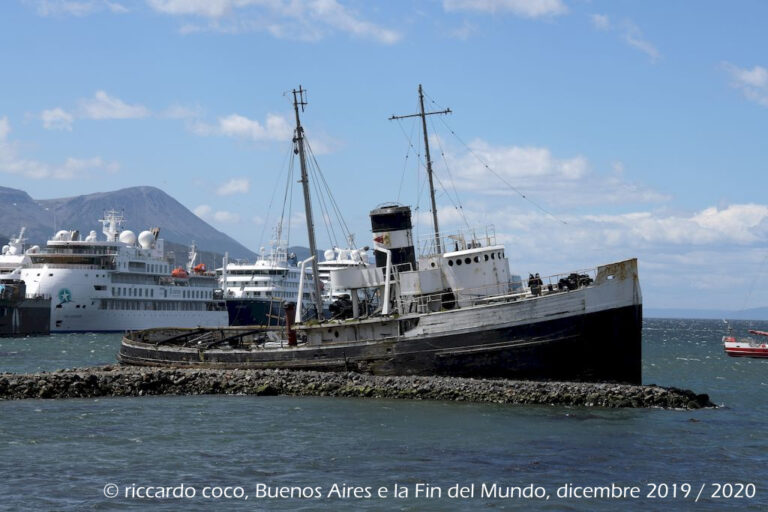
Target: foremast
[{"x": 298, "y": 139}]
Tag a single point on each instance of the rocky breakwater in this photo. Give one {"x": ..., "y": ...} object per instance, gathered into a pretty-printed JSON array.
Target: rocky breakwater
[{"x": 115, "y": 381}]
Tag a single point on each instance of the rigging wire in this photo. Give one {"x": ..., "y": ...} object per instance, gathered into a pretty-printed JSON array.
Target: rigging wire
[
  {"x": 457, "y": 204},
  {"x": 488, "y": 167},
  {"x": 321, "y": 201},
  {"x": 501, "y": 178},
  {"x": 409, "y": 138},
  {"x": 283, "y": 169},
  {"x": 331, "y": 199}
]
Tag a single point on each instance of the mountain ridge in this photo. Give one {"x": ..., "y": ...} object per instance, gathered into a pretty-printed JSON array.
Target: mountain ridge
[{"x": 143, "y": 207}]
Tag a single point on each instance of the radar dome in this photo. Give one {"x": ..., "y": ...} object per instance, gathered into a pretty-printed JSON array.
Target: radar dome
[
  {"x": 34, "y": 249},
  {"x": 5, "y": 248},
  {"x": 128, "y": 237},
  {"x": 91, "y": 237},
  {"x": 146, "y": 238},
  {"x": 329, "y": 254},
  {"x": 61, "y": 235}
]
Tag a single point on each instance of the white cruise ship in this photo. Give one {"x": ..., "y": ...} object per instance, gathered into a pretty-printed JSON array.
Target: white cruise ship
[
  {"x": 121, "y": 283},
  {"x": 255, "y": 292}
]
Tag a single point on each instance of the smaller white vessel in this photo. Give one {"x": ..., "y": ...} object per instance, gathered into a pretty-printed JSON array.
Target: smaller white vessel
[
  {"x": 338, "y": 259},
  {"x": 256, "y": 291}
]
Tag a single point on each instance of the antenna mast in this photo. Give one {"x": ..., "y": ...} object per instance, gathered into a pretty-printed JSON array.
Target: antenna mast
[
  {"x": 423, "y": 115},
  {"x": 298, "y": 139}
]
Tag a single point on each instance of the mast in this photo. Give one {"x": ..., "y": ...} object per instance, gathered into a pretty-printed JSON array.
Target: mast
[
  {"x": 423, "y": 115},
  {"x": 298, "y": 139}
]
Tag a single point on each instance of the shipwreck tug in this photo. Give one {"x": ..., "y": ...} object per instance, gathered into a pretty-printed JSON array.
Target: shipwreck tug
[
  {"x": 449, "y": 313},
  {"x": 453, "y": 310}
]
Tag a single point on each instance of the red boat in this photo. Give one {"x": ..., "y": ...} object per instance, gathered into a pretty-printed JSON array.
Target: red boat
[{"x": 746, "y": 347}]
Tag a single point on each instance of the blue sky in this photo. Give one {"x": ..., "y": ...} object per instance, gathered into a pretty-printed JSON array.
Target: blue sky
[{"x": 639, "y": 126}]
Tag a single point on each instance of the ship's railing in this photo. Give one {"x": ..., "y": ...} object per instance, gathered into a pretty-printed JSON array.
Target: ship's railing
[
  {"x": 502, "y": 292},
  {"x": 69, "y": 265},
  {"x": 459, "y": 241}
]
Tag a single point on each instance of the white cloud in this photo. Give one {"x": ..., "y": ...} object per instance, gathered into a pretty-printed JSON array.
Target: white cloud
[
  {"x": 524, "y": 8},
  {"x": 629, "y": 33},
  {"x": 202, "y": 211},
  {"x": 752, "y": 82},
  {"x": 57, "y": 119},
  {"x": 601, "y": 21},
  {"x": 308, "y": 20},
  {"x": 5, "y": 128},
  {"x": 535, "y": 172},
  {"x": 103, "y": 106},
  {"x": 76, "y": 7},
  {"x": 12, "y": 163},
  {"x": 234, "y": 186},
  {"x": 205, "y": 212},
  {"x": 234, "y": 125},
  {"x": 633, "y": 37}
]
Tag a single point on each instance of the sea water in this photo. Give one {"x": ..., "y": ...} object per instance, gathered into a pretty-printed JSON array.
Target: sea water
[{"x": 286, "y": 453}]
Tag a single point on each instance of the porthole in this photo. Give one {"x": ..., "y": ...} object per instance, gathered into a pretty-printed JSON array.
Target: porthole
[
  {"x": 458, "y": 262},
  {"x": 432, "y": 264},
  {"x": 467, "y": 260},
  {"x": 493, "y": 256},
  {"x": 486, "y": 257},
  {"x": 450, "y": 263},
  {"x": 477, "y": 260}
]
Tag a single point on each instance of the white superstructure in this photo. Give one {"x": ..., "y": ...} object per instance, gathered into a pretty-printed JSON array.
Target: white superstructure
[
  {"x": 338, "y": 259},
  {"x": 274, "y": 275},
  {"x": 120, "y": 283},
  {"x": 14, "y": 255}
]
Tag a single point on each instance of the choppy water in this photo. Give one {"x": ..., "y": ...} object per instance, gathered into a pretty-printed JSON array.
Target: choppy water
[{"x": 59, "y": 455}]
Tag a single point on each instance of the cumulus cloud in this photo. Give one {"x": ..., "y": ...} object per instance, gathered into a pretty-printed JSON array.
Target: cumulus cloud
[
  {"x": 234, "y": 186},
  {"x": 308, "y": 20},
  {"x": 202, "y": 211},
  {"x": 207, "y": 213},
  {"x": 73, "y": 168},
  {"x": 523, "y": 8},
  {"x": 57, "y": 119},
  {"x": 628, "y": 32},
  {"x": 104, "y": 106},
  {"x": 752, "y": 82},
  {"x": 234, "y": 125},
  {"x": 534, "y": 170}
]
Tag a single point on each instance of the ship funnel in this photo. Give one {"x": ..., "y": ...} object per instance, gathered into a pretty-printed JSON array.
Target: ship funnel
[{"x": 391, "y": 226}]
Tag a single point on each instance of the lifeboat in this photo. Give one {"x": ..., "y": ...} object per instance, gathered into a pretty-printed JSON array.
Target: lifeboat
[
  {"x": 179, "y": 272},
  {"x": 199, "y": 268},
  {"x": 746, "y": 347}
]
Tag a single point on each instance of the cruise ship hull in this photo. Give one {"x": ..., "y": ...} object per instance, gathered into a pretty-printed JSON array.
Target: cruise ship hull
[
  {"x": 254, "y": 312},
  {"x": 25, "y": 317}
]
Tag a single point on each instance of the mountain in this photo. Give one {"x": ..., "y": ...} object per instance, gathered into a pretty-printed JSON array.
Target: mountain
[{"x": 143, "y": 208}]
